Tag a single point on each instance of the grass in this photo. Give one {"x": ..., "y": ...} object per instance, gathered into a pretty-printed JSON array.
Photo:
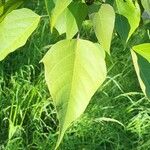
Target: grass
[{"x": 117, "y": 118}]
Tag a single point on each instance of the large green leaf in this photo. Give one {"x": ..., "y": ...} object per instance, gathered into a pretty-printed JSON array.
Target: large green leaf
[
  {"x": 103, "y": 22},
  {"x": 71, "y": 19},
  {"x": 55, "y": 8},
  {"x": 141, "y": 60},
  {"x": 132, "y": 12},
  {"x": 15, "y": 30},
  {"x": 74, "y": 70}
]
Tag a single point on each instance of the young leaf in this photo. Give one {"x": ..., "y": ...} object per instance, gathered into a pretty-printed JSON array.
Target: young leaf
[
  {"x": 15, "y": 30},
  {"x": 131, "y": 11},
  {"x": 74, "y": 69},
  {"x": 103, "y": 22},
  {"x": 71, "y": 19},
  {"x": 55, "y": 8},
  {"x": 141, "y": 60}
]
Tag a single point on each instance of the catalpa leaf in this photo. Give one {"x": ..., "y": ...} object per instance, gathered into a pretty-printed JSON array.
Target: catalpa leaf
[
  {"x": 71, "y": 19},
  {"x": 74, "y": 70},
  {"x": 141, "y": 60},
  {"x": 103, "y": 23},
  {"x": 55, "y": 8},
  {"x": 15, "y": 30},
  {"x": 132, "y": 12}
]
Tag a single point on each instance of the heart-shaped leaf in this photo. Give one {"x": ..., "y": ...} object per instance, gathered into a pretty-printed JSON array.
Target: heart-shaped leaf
[
  {"x": 15, "y": 30},
  {"x": 141, "y": 60},
  {"x": 103, "y": 22},
  {"x": 74, "y": 70}
]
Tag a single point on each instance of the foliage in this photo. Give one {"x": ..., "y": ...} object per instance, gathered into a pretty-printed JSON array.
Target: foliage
[
  {"x": 76, "y": 68},
  {"x": 75, "y": 83}
]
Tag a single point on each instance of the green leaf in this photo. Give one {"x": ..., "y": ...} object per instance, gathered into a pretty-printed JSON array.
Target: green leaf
[
  {"x": 103, "y": 22},
  {"x": 131, "y": 11},
  {"x": 111, "y": 2},
  {"x": 49, "y": 6},
  {"x": 74, "y": 70},
  {"x": 143, "y": 50},
  {"x": 9, "y": 6},
  {"x": 122, "y": 27},
  {"x": 141, "y": 60},
  {"x": 55, "y": 8},
  {"x": 1, "y": 10},
  {"x": 71, "y": 19},
  {"x": 15, "y": 30},
  {"x": 94, "y": 8},
  {"x": 146, "y": 5}
]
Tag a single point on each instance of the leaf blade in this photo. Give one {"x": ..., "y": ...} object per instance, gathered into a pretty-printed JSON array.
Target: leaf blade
[
  {"x": 55, "y": 8},
  {"x": 74, "y": 69},
  {"x": 129, "y": 10},
  {"x": 71, "y": 19},
  {"x": 103, "y": 22},
  {"x": 142, "y": 66},
  {"x": 15, "y": 30}
]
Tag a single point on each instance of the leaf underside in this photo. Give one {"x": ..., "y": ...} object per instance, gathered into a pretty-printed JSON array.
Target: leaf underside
[{"x": 74, "y": 69}]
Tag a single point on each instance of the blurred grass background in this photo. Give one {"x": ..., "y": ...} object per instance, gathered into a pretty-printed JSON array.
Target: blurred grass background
[{"x": 117, "y": 118}]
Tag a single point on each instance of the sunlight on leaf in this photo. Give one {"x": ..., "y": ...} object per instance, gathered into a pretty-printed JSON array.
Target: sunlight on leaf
[
  {"x": 74, "y": 70},
  {"x": 103, "y": 23},
  {"x": 15, "y": 29},
  {"x": 141, "y": 60},
  {"x": 71, "y": 19},
  {"x": 55, "y": 8},
  {"x": 131, "y": 11}
]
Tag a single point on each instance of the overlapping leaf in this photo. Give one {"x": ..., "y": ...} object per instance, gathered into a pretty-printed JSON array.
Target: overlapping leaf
[
  {"x": 141, "y": 60},
  {"x": 131, "y": 12},
  {"x": 74, "y": 69},
  {"x": 15, "y": 30},
  {"x": 9, "y": 6},
  {"x": 71, "y": 19},
  {"x": 55, "y": 8},
  {"x": 103, "y": 22}
]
